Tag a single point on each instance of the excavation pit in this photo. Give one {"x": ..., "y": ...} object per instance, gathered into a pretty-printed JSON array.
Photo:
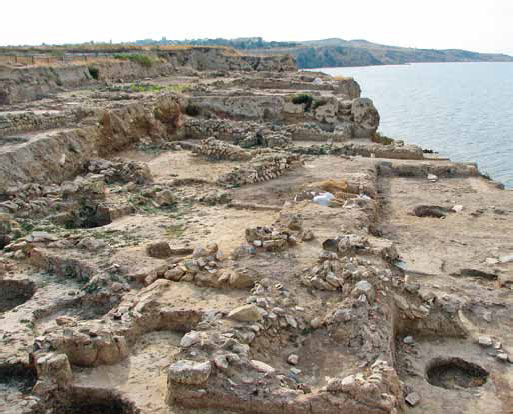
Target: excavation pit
[
  {"x": 478, "y": 274},
  {"x": 4, "y": 241},
  {"x": 80, "y": 309},
  {"x": 88, "y": 217},
  {"x": 107, "y": 408},
  {"x": 14, "y": 293},
  {"x": 93, "y": 401},
  {"x": 17, "y": 377},
  {"x": 431, "y": 211},
  {"x": 455, "y": 373}
]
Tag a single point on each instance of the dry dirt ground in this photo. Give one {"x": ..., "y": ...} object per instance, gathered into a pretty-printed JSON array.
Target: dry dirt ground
[{"x": 382, "y": 310}]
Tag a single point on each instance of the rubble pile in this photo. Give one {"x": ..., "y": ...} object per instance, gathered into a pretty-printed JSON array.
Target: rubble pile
[
  {"x": 392, "y": 151},
  {"x": 224, "y": 129},
  {"x": 327, "y": 275},
  {"x": 216, "y": 150},
  {"x": 29, "y": 200},
  {"x": 287, "y": 231},
  {"x": 120, "y": 171},
  {"x": 312, "y": 131},
  {"x": 266, "y": 138},
  {"x": 205, "y": 266},
  {"x": 261, "y": 168}
]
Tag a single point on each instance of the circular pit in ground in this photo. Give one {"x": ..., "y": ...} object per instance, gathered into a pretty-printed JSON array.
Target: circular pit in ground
[
  {"x": 17, "y": 377},
  {"x": 14, "y": 293},
  {"x": 95, "y": 401},
  {"x": 455, "y": 373},
  {"x": 104, "y": 408}
]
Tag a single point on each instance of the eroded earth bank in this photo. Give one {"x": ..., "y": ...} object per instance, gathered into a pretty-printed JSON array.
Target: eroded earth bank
[{"x": 167, "y": 246}]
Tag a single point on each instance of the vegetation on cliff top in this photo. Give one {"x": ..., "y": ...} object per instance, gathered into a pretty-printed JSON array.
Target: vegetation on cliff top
[
  {"x": 308, "y": 54},
  {"x": 143, "y": 60}
]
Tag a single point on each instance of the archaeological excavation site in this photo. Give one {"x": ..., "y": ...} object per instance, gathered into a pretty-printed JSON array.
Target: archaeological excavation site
[{"x": 196, "y": 231}]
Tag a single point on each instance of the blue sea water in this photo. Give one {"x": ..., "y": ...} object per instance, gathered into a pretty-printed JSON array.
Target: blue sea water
[{"x": 461, "y": 110}]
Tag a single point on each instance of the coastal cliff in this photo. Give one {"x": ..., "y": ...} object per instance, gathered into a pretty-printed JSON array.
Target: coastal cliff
[{"x": 22, "y": 83}]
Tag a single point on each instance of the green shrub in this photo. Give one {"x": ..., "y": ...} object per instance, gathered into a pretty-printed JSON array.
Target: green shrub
[
  {"x": 178, "y": 88},
  {"x": 143, "y": 60},
  {"x": 382, "y": 139},
  {"x": 192, "y": 110},
  {"x": 94, "y": 72},
  {"x": 319, "y": 102},
  {"x": 57, "y": 53},
  {"x": 303, "y": 98},
  {"x": 145, "y": 87}
]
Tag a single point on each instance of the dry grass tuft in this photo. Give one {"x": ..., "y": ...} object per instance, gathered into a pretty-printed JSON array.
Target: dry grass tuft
[{"x": 341, "y": 78}]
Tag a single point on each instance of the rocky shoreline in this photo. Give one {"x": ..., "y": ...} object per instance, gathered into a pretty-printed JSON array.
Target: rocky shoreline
[{"x": 218, "y": 235}]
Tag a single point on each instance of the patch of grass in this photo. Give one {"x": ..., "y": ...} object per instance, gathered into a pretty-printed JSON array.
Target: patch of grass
[
  {"x": 149, "y": 87},
  {"x": 141, "y": 59},
  {"x": 57, "y": 53},
  {"x": 136, "y": 87},
  {"x": 341, "y": 78},
  {"x": 116, "y": 238},
  {"x": 153, "y": 149},
  {"x": 145, "y": 87},
  {"x": 303, "y": 98},
  {"x": 319, "y": 102},
  {"x": 26, "y": 226},
  {"x": 175, "y": 230},
  {"x": 94, "y": 72},
  {"x": 179, "y": 87},
  {"x": 143, "y": 204},
  {"x": 30, "y": 324},
  {"x": 90, "y": 287},
  {"x": 382, "y": 139},
  {"x": 104, "y": 234}
]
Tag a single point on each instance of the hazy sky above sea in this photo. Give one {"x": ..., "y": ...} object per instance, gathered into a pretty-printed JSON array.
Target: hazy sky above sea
[{"x": 479, "y": 25}]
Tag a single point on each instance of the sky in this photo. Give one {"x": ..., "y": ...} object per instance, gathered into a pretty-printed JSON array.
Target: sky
[{"x": 478, "y": 25}]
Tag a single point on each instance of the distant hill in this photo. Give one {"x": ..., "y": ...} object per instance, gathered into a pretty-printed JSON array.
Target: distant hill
[
  {"x": 242, "y": 43},
  {"x": 325, "y": 42},
  {"x": 338, "y": 52}
]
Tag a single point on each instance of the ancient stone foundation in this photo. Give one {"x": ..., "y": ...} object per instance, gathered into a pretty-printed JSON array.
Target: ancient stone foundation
[{"x": 228, "y": 234}]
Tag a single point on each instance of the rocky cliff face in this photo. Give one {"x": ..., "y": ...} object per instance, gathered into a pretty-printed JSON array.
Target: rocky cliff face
[
  {"x": 342, "y": 117},
  {"x": 209, "y": 58},
  {"x": 57, "y": 155},
  {"x": 30, "y": 83}
]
